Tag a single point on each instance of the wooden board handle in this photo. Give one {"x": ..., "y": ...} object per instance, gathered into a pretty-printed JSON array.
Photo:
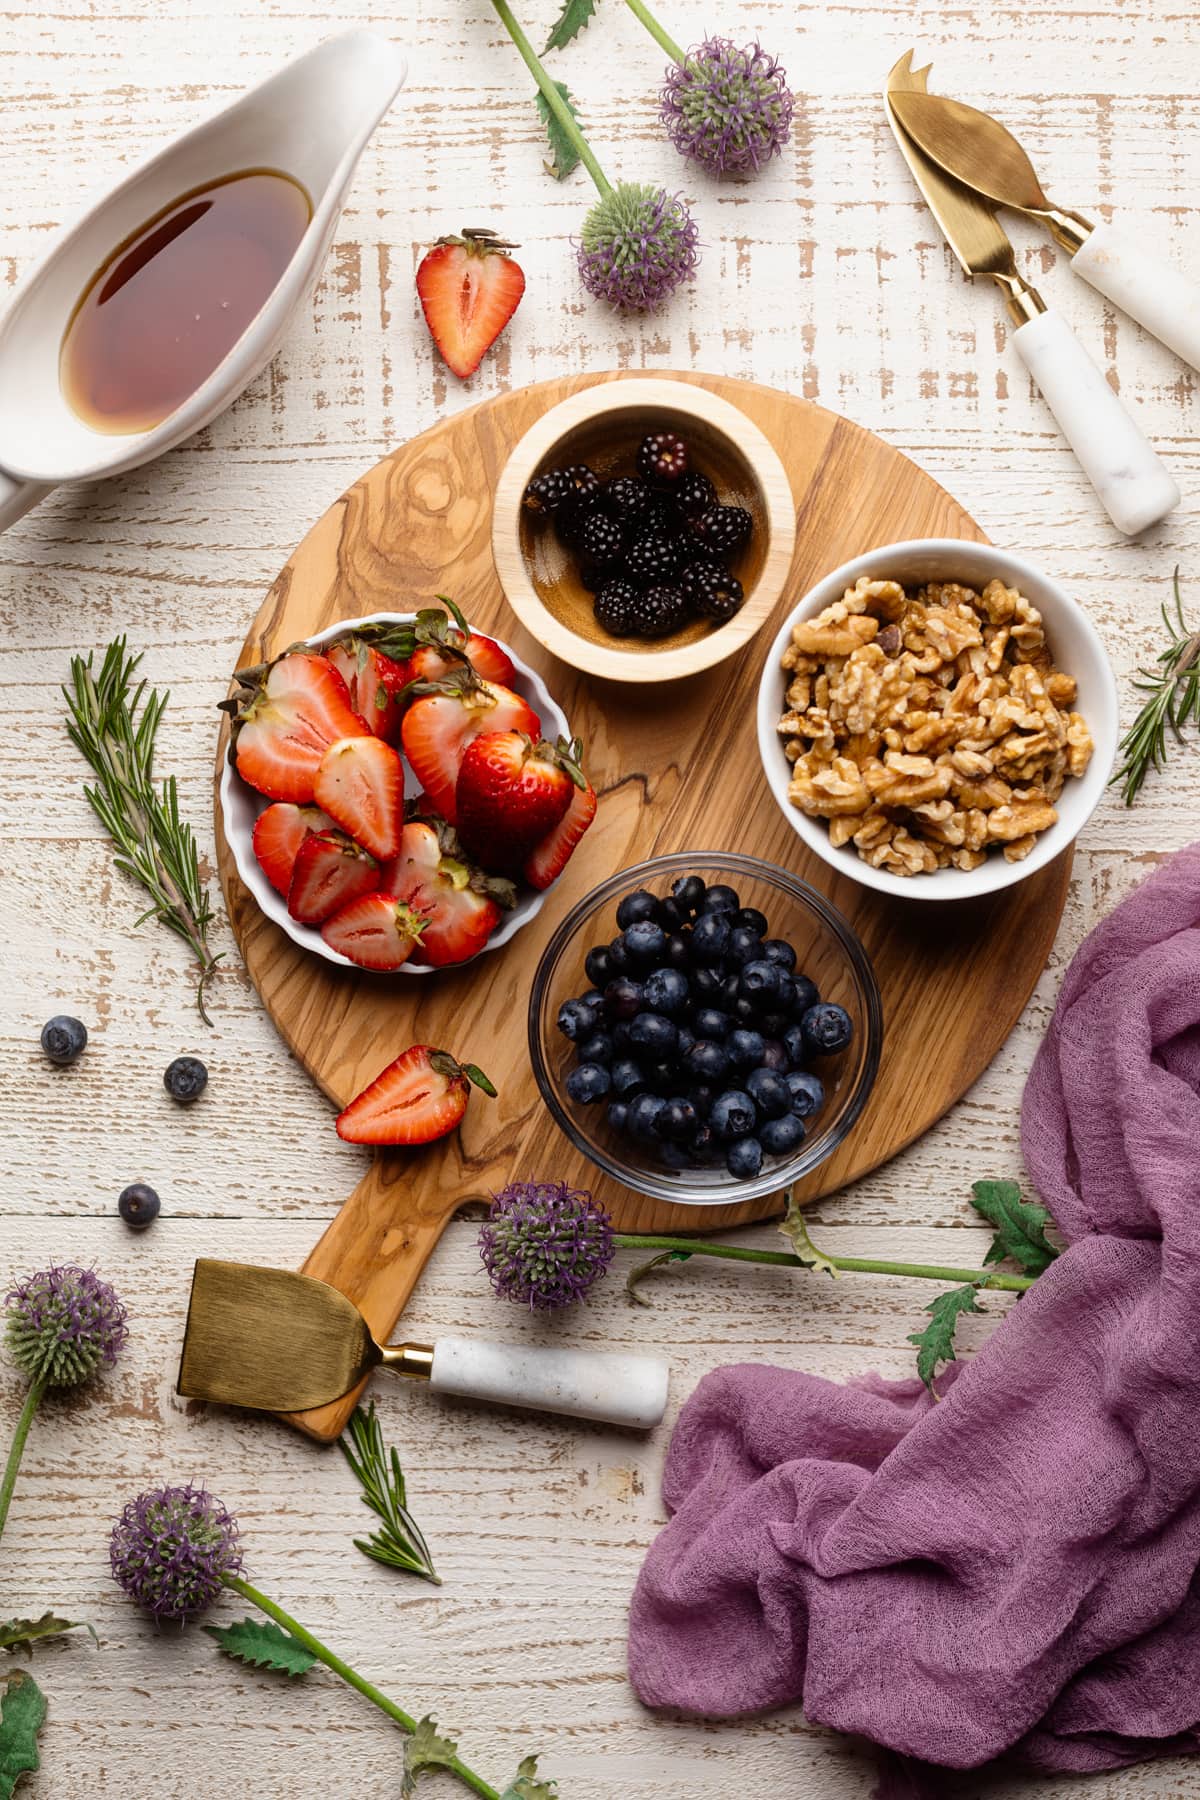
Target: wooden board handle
[{"x": 374, "y": 1251}]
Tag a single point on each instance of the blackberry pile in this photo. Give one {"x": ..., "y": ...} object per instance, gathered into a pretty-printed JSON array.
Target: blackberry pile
[
  {"x": 698, "y": 1031},
  {"x": 653, "y": 548}
]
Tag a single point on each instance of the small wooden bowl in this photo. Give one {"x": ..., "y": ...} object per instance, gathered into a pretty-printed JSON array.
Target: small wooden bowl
[{"x": 602, "y": 427}]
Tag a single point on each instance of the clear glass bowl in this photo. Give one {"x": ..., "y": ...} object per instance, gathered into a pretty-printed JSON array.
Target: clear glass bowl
[{"x": 826, "y": 949}]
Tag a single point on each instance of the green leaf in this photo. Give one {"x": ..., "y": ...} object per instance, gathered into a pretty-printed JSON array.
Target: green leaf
[
  {"x": 425, "y": 1749},
  {"x": 22, "y": 1713},
  {"x": 401, "y": 1543},
  {"x": 936, "y": 1343},
  {"x": 22, "y": 1634},
  {"x": 263, "y": 1646},
  {"x": 564, "y": 156},
  {"x": 1020, "y": 1225},
  {"x": 526, "y": 1786},
  {"x": 575, "y": 17},
  {"x": 796, "y": 1231},
  {"x": 637, "y": 1275}
]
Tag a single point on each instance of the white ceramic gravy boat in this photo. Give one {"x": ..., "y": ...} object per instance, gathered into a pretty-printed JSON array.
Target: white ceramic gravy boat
[{"x": 310, "y": 121}]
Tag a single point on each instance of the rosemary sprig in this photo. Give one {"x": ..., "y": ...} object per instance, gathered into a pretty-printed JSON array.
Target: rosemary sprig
[
  {"x": 401, "y": 1544},
  {"x": 153, "y": 844},
  {"x": 1173, "y": 687}
]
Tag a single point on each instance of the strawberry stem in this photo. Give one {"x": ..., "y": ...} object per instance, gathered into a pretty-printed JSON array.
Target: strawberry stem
[{"x": 552, "y": 97}]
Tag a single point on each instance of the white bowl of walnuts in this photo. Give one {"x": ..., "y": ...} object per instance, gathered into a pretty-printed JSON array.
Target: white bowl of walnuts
[{"x": 937, "y": 719}]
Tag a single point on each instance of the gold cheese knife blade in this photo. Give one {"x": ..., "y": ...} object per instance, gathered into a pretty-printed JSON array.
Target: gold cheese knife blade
[{"x": 977, "y": 149}]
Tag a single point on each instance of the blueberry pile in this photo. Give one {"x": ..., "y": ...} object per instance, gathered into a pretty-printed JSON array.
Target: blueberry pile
[
  {"x": 653, "y": 548},
  {"x": 697, "y": 1031}
]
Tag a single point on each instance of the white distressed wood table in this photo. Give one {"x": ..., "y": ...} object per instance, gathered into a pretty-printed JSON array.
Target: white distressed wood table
[{"x": 826, "y": 277}]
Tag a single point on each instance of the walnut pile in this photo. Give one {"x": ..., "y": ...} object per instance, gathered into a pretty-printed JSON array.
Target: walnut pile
[{"x": 927, "y": 726}]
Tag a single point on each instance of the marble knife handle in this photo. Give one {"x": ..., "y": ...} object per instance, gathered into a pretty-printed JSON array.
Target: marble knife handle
[
  {"x": 616, "y": 1389},
  {"x": 1158, "y": 296},
  {"x": 1132, "y": 483}
]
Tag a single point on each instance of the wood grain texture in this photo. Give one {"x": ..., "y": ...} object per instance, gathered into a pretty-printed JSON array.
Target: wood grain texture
[{"x": 824, "y": 277}]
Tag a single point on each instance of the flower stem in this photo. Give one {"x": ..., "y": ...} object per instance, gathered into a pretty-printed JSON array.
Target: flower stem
[
  {"x": 32, "y": 1402},
  {"x": 661, "y": 37},
  {"x": 375, "y": 1695},
  {"x": 855, "y": 1265},
  {"x": 551, "y": 96}
]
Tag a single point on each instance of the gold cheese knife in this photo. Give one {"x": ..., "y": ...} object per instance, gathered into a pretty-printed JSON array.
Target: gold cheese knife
[
  {"x": 1132, "y": 483},
  {"x": 977, "y": 149}
]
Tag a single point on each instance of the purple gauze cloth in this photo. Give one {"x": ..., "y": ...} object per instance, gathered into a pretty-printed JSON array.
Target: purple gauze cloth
[{"x": 1014, "y": 1568}]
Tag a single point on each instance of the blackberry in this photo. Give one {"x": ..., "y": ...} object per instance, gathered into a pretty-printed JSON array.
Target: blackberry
[
  {"x": 625, "y": 499},
  {"x": 571, "y": 518},
  {"x": 695, "y": 494},
  {"x": 658, "y": 612},
  {"x": 723, "y": 528},
  {"x": 594, "y": 578},
  {"x": 546, "y": 493},
  {"x": 583, "y": 480},
  {"x": 613, "y": 607},
  {"x": 600, "y": 537},
  {"x": 710, "y": 591},
  {"x": 652, "y": 557},
  {"x": 662, "y": 458}
]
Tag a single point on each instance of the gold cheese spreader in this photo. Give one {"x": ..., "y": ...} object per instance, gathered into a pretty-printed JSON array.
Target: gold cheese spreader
[
  {"x": 281, "y": 1342},
  {"x": 976, "y": 149}
]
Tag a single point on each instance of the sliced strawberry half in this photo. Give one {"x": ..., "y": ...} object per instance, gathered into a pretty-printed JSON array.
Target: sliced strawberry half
[
  {"x": 461, "y": 905},
  {"x": 360, "y": 783},
  {"x": 547, "y": 860},
  {"x": 278, "y": 835},
  {"x": 511, "y": 792},
  {"x": 376, "y": 932},
  {"x": 375, "y": 683},
  {"x": 330, "y": 871},
  {"x": 440, "y": 724},
  {"x": 469, "y": 288},
  {"x": 419, "y": 1097},
  {"x": 285, "y": 717}
]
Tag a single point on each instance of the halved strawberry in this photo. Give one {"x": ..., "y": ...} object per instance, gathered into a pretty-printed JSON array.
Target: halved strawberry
[
  {"x": 439, "y": 725},
  {"x": 469, "y": 289},
  {"x": 460, "y": 904},
  {"x": 375, "y": 683},
  {"x": 419, "y": 1097},
  {"x": 330, "y": 871},
  {"x": 547, "y": 860},
  {"x": 278, "y": 835},
  {"x": 285, "y": 716},
  {"x": 360, "y": 783},
  {"x": 376, "y": 932},
  {"x": 511, "y": 792},
  {"x": 488, "y": 660}
]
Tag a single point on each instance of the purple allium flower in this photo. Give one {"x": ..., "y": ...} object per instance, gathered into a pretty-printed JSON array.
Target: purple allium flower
[
  {"x": 727, "y": 106},
  {"x": 170, "y": 1548},
  {"x": 544, "y": 1244},
  {"x": 638, "y": 243},
  {"x": 62, "y": 1324}
]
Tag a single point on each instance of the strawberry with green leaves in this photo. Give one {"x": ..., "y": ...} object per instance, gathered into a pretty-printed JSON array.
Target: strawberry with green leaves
[
  {"x": 469, "y": 288},
  {"x": 461, "y": 906},
  {"x": 377, "y": 932},
  {"x": 375, "y": 683},
  {"x": 285, "y": 716},
  {"x": 420, "y": 1097},
  {"x": 447, "y": 715},
  {"x": 360, "y": 784},
  {"x": 278, "y": 834},
  {"x": 512, "y": 791},
  {"x": 330, "y": 871}
]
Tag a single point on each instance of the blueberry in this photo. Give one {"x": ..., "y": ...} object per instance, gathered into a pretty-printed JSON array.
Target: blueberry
[
  {"x": 627, "y": 1077},
  {"x": 675, "y": 1156},
  {"x": 688, "y": 891},
  {"x": 769, "y": 1092},
  {"x": 703, "y": 1143},
  {"x": 64, "y": 1039},
  {"x": 775, "y": 1056},
  {"x": 720, "y": 899},
  {"x": 745, "y": 1048},
  {"x": 595, "y": 999},
  {"x": 743, "y": 1158},
  {"x": 684, "y": 1039},
  {"x": 745, "y": 1012},
  {"x": 807, "y": 1091},
  {"x": 666, "y": 992},
  {"x": 617, "y": 1114},
  {"x": 643, "y": 1115},
  {"x": 750, "y": 919},
  {"x": 618, "y": 959},
  {"x": 727, "y": 994},
  {"x": 733, "y": 1114},
  {"x": 710, "y": 1022},
  {"x": 710, "y": 935},
  {"x": 650, "y": 1032},
  {"x": 779, "y": 1137},
  {"x": 678, "y": 1120},
  {"x": 773, "y": 1024},
  {"x": 623, "y": 998},
  {"x": 670, "y": 915},
  {"x": 644, "y": 943},
  {"x": 702, "y": 1097},
  {"x": 595, "y": 966},
  {"x": 636, "y": 906},
  {"x": 589, "y": 1082},
  {"x": 679, "y": 950},
  {"x": 793, "y": 1043},
  {"x": 827, "y": 1029},
  {"x": 706, "y": 1061},
  {"x": 777, "y": 951},
  {"x": 804, "y": 995},
  {"x": 576, "y": 1020},
  {"x": 706, "y": 986},
  {"x": 766, "y": 985},
  {"x": 744, "y": 945},
  {"x": 138, "y": 1205},
  {"x": 185, "y": 1079},
  {"x": 598, "y": 1048}
]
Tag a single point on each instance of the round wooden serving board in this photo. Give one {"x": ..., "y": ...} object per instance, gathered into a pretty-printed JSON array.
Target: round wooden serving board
[{"x": 676, "y": 768}]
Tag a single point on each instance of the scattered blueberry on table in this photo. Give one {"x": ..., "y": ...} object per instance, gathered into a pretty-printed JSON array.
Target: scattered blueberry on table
[
  {"x": 64, "y": 1039},
  {"x": 185, "y": 1079},
  {"x": 698, "y": 1031},
  {"x": 138, "y": 1205}
]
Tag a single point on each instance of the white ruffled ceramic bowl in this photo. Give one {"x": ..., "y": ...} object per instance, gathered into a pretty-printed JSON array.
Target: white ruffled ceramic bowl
[{"x": 241, "y": 804}]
